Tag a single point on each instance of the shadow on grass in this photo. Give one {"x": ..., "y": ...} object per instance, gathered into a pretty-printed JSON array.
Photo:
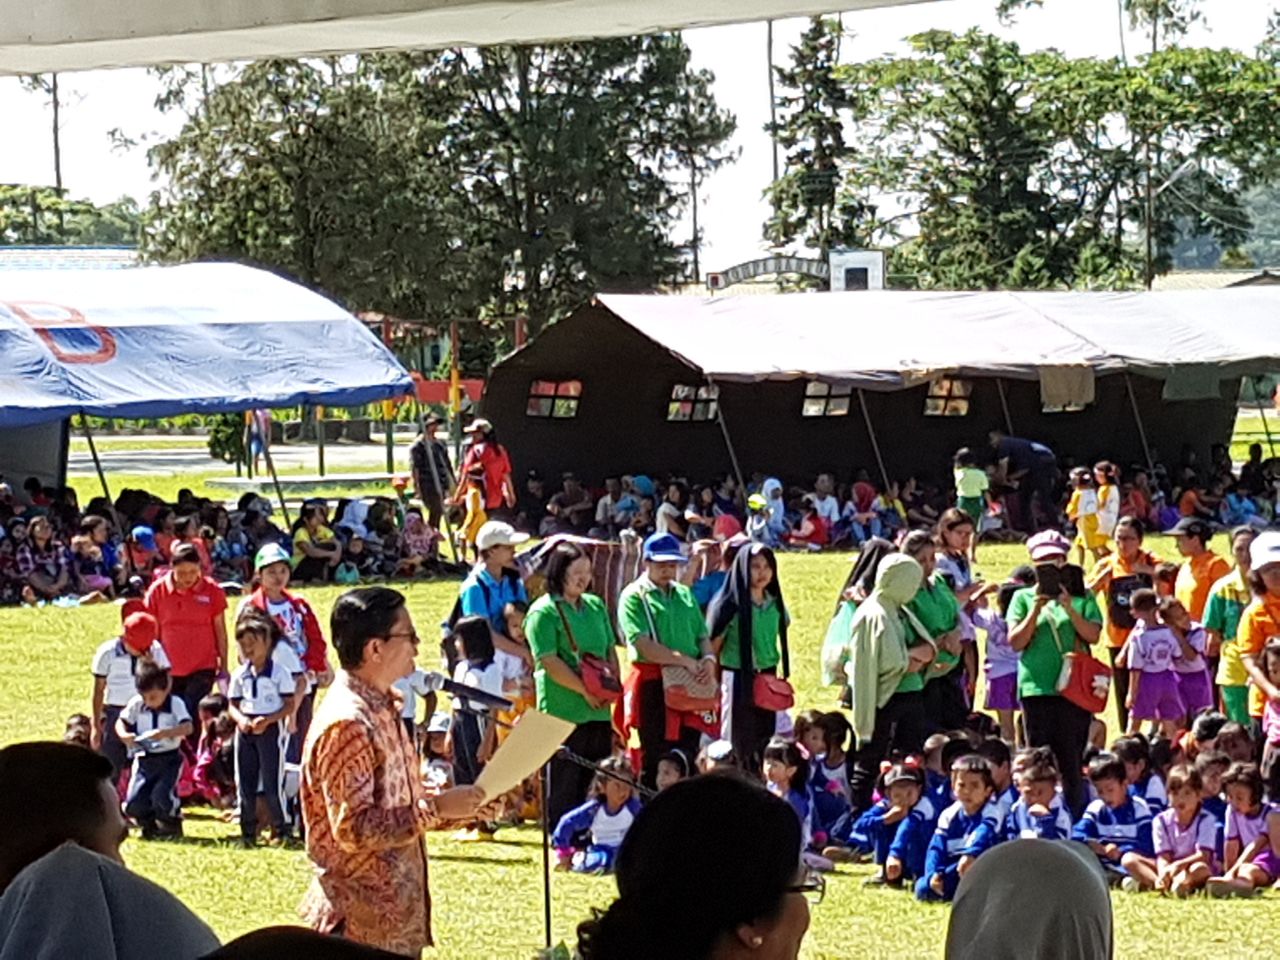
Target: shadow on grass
[{"x": 458, "y": 858}]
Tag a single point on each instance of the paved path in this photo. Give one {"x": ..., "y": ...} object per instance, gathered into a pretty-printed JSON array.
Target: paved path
[{"x": 165, "y": 459}]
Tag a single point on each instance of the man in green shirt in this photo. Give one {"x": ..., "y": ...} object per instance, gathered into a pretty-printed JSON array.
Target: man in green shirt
[{"x": 664, "y": 627}]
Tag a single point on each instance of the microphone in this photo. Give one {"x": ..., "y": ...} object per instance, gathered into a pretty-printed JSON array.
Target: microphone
[{"x": 428, "y": 681}]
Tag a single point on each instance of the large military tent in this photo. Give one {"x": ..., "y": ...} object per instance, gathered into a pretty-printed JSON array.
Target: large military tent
[{"x": 794, "y": 384}]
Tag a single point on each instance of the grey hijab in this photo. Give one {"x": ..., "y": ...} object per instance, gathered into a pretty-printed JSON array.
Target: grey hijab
[{"x": 1032, "y": 898}]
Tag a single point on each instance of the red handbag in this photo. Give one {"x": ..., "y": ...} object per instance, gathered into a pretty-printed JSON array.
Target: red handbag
[
  {"x": 682, "y": 691},
  {"x": 1084, "y": 680},
  {"x": 598, "y": 676},
  {"x": 772, "y": 693}
]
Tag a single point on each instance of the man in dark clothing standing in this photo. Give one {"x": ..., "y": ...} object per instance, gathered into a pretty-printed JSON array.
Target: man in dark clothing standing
[
  {"x": 432, "y": 471},
  {"x": 1030, "y": 471}
]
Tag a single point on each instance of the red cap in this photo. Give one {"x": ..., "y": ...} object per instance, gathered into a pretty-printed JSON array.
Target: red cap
[
  {"x": 140, "y": 631},
  {"x": 130, "y": 606}
]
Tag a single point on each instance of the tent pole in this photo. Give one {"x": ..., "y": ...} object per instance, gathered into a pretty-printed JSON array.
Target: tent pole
[
  {"x": 275, "y": 478},
  {"x": 728, "y": 441},
  {"x": 319, "y": 411},
  {"x": 1137, "y": 417},
  {"x": 871, "y": 432},
  {"x": 106, "y": 491},
  {"x": 1262, "y": 412},
  {"x": 1004, "y": 405}
]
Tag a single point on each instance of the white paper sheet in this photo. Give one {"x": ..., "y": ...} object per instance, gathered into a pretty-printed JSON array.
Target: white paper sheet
[{"x": 531, "y": 744}]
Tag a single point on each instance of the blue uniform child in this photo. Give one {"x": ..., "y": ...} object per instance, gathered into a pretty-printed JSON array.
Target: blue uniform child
[
  {"x": 261, "y": 699},
  {"x": 1039, "y": 812},
  {"x": 1212, "y": 765},
  {"x": 965, "y": 830},
  {"x": 1117, "y": 826},
  {"x": 1144, "y": 782},
  {"x": 898, "y": 828},
  {"x": 587, "y": 838},
  {"x": 152, "y": 725}
]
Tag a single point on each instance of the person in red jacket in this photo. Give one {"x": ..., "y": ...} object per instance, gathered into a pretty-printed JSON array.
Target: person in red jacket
[{"x": 300, "y": 630}]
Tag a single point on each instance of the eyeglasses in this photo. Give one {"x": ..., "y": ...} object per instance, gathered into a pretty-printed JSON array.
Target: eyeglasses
[
  {"x": 813, "y": 887},
  {"x": 410, "y": 635}
]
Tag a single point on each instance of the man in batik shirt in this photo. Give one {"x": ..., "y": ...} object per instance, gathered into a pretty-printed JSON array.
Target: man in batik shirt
[{"x": 363, "y": 800}]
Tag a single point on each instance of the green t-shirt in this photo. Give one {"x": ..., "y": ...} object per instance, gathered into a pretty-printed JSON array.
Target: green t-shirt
[
  {"x": 592, "y": 632},
  {"x": 677, "y": 618},
  {"x": 1228, "y": 599},
  {"x": 765, "y": 629},
  {"x": 1041, "y": 660},
  {"x": 938, "y": 611}
]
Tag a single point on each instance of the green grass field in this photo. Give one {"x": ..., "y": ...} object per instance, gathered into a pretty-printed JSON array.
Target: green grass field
[{"x": 488, "y": 897}]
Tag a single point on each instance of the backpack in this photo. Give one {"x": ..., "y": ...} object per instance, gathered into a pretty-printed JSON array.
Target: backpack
[
  {"x": 1119, "y": 593},
  {"x": 447, "y": 650}
]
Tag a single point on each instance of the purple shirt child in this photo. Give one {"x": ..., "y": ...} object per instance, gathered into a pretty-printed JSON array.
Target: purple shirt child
[{"x": 1173, "y": 840}]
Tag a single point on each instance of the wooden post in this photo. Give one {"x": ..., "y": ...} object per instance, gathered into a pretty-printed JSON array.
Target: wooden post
[{"x": 871, "y": 432}]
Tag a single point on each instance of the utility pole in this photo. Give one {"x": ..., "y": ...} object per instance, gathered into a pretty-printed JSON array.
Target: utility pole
[{"x": 773, "y": 102}]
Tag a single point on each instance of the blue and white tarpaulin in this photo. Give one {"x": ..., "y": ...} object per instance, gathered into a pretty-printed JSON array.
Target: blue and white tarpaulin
[{"x": 163, "y": 341}]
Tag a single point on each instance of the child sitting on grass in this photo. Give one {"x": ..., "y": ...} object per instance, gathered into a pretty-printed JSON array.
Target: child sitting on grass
[
  {"x": 1252, "y": 854},
  {"x": 1185, "y": 836},
  {"x": 1117, "y": 826},
  {"x": 1039, "y": 812},
  {"x": 898, "y": 828},
  {"x": 965, "y": 830},
  {"x": 1143, "y": 778},
  {"x": 603, "y": 821}
]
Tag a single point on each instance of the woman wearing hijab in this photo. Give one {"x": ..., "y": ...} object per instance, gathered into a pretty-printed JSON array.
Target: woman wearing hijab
[
  {"x": 748, "y": 621},
  {"x": 857, "y": 587},
  {"x": 885, "y": 714},
  {"x": 1070, "y": 916},
  {"x": 777, "y": 508}
]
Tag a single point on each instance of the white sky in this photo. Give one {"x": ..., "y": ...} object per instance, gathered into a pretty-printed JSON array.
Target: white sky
[{"x": 732, "y": 210}]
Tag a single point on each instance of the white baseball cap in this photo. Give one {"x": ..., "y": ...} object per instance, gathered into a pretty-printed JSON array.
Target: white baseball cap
[
  {"x": 495, "y": 533},
  {"x": 1265, "y": 549}
]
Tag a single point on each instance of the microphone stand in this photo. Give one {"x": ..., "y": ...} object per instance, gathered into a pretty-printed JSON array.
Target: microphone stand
[{"x": 564, "y": 753}]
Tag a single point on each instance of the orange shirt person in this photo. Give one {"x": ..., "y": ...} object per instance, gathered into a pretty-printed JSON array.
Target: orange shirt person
[
  {"x": 1261, "y": 621},
  {"x": 1202, "y": 569}
]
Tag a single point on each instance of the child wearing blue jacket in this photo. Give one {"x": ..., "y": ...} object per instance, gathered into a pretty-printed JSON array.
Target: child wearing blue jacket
[
  {"x": 602, "y": 822},
  {"x": 965, "y": 830},
  {"x": 1039, "y": 812},
  {"x": 898, "y": 828}
]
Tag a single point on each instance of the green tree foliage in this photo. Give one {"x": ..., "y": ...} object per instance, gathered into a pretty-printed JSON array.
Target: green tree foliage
[
  {"x": 808, "y": 205},
  {"x": 477, "y": 183},
  {"x": 986, "y": 166},
  {"x": 40, "y": 215}
]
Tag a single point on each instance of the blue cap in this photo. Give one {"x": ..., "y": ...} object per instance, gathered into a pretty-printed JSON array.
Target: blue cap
[
  {"x": 144, "y": 537},
  {"x": 663, "y": 548},
  {"x": 643, "y": 486}
]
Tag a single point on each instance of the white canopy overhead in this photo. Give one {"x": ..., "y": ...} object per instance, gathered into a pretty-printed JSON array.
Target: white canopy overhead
[
  {"x": 59, "y": 35},
  {"x": 893, "y": 339}
]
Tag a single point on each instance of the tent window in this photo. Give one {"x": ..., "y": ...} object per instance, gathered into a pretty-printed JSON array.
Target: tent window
[
  {"x": 948, "y": 397},
  {"x": 692, "y": 403},
  {"x": 826, "y": 399},
  {"x": 554, "y": 400}
]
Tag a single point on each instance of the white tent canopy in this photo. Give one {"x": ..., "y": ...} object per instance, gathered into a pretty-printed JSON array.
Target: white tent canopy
[
  {"x": 59, "y": 35},
  {"x": 893, "y": 339}
]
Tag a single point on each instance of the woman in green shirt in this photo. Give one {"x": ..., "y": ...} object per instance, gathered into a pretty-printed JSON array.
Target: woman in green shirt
[
  {"x": 1042, "y": 629},
  {"x": 935, "y": 612},
  {"x": 562, "y": 624},
  {"x": 748, "y": 625}
]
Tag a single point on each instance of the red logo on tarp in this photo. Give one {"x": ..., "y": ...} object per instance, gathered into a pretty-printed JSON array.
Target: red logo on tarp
[{"x": 52, "y": 316}]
